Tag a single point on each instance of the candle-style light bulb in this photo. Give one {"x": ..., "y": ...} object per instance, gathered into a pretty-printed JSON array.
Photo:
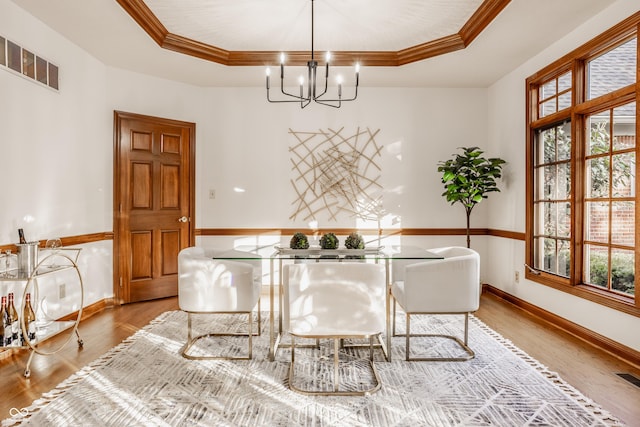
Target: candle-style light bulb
[
  {"x": 281, "y": 65},
  {"x": 268, "y": 73},
  {"x": 301, "y": 81},
  {"x": 357, "y": 68},
  {"x": 328, "y": 57},
  {"x": 339, "y": 80}
]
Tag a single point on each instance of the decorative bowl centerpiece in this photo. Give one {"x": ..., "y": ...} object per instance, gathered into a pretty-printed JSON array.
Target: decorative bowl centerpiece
[{"x": 299, "y": 241}]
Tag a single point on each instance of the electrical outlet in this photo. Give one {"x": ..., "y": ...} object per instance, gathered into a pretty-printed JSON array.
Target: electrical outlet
[
  {"x": 212, "y": 194},
  {"x": 62, "y": 291},
  {"x": 517, "y": 276}
]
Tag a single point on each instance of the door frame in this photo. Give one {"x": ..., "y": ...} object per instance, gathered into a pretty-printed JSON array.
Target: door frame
[{"x": 118, "y": 217}]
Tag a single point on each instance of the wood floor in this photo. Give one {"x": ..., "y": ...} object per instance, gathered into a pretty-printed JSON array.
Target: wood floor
[{"x": 588, "y": 369}]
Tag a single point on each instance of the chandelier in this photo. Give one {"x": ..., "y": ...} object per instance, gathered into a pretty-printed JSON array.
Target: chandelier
[{"x": 312, "y": 91}]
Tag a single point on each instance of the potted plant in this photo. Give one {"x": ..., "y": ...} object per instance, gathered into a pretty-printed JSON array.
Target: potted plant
[
  {"x": 329, "y": 241},
  {"x": 468, "y": 177},
  {"x": 354, "y": 241},
  {"x": 299, "y": 241}
]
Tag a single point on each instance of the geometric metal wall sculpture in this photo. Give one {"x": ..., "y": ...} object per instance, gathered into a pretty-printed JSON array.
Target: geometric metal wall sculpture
[{"x": 335, "y": 174}]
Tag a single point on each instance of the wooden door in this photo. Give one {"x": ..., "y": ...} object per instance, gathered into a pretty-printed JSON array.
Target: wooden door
[{"x": 153, "y": 204}]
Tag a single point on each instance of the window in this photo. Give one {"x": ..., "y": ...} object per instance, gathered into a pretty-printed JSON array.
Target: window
[
  {"x": 555, "y": 95},
  {"x": 552, "y": 203},
  {"x": 581, "y": 192},
  {"x": 612, "y": 70},
  {"x": 609, "y": 226}
]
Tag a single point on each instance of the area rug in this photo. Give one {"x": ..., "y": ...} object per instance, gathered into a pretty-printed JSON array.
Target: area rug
[{"x": 145, "y": 381}]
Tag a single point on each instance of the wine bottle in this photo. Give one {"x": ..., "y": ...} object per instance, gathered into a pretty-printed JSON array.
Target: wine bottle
[
  {"x": 6, "y": 326},
  {"x": 21, "y": 236},
  {"x": 29, "y": 317},
  {"x": 13, "y": 318},
  {"x": 4, "y": 329}
]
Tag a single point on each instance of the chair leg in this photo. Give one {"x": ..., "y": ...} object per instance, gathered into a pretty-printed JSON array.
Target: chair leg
[
  {"x": 336, "y": 361},
  {"x": 466, "y": 329},
  {"x": 259, "y": 319},
  {"x": 336, "y": 372},
  {"x": 188, "y": 327},
  {"x": 251, "y": 334},
  {"x": 191, "y": 340},
  {"x": 469, "y": 353},
  {"x": 393, "y": 330},
  {"x": 371, "y": 349},
  {"x": 407, "y": 333}
]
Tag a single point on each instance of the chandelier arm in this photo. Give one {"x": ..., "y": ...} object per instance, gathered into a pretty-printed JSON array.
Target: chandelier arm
[
  {"x": 284, "y": 92},
  {"x": 340, "y": 99},
  {"x": 294, "y": 98},
  {"x": 279, "y": 101},
  {"x": 328, "y": 104}
]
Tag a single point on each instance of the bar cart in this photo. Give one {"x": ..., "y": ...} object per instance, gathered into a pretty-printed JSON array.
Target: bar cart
[{"x": 50, "y": 263}]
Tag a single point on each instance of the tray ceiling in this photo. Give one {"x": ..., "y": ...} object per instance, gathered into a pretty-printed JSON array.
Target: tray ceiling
[
  {"x": 370, "y": 25},
  {"x": 411, "y": 43}
]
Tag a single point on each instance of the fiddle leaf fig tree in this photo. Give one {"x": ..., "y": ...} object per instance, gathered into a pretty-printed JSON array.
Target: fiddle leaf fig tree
[{"x": 468, "y": 178}]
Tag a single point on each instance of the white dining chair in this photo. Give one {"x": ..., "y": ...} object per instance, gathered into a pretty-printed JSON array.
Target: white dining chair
[
  {"x": 450, "y": 285},
  {"x": 208, "y": 285},
  {"x": 336, "y": 301}
]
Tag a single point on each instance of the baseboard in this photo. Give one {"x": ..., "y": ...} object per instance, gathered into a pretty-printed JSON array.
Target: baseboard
[
  {"x": 612, "y": 347},
  {"x": 90, "y": 310}
]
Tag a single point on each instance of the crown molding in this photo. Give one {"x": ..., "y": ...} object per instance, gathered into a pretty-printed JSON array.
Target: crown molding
[
  {"x": 141, "y": 13},
  {"x": 486, "y": 13}
]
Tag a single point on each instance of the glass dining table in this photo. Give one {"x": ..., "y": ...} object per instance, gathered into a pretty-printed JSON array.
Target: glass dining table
[{"x": 277, "y": 256}]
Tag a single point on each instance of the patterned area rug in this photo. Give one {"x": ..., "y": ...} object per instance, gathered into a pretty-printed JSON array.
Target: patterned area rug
[{"x": 145, "y": 381}]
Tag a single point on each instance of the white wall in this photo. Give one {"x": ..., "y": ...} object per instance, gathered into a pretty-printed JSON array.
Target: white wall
[
  {"x": 55, "y": 151},
  {"x": 506, "y": 103},
  {"x": 247, "y": 145}
]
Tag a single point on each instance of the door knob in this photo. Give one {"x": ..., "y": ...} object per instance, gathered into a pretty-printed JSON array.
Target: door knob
[{"x": 183, "y": 219}]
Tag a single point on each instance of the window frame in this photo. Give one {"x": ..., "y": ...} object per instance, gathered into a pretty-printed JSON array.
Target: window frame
[{"x": 576, "y": 62}]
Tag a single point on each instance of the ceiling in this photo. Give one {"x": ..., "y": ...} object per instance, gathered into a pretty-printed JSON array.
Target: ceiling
[
  {"x": 340, "y": 25},
  {"x": 377, "y": 31}
]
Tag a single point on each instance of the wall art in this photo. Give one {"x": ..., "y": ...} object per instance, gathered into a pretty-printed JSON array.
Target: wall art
[{"x": 336, "y": 173}]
